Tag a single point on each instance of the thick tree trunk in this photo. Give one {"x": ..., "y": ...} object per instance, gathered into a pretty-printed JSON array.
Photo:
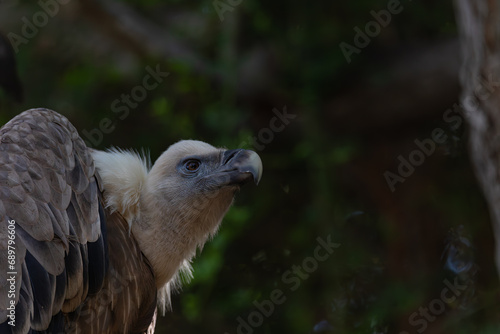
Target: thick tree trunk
[{"x": 479, "y": 28}]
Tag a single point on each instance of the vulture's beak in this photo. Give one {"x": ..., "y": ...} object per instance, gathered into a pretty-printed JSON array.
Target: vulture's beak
[{"x": 241, "y": 166}]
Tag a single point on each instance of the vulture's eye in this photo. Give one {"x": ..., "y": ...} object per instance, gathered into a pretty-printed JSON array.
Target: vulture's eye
[{"x": 192, "y": 165}]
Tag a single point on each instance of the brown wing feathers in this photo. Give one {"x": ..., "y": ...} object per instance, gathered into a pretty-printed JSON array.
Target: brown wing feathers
[
  {"x": 47, "y": 185},
  {"x": 127, "y": 301}
]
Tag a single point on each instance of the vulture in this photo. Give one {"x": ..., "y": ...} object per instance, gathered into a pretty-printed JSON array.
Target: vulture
[{"x": 95, "y": 241}]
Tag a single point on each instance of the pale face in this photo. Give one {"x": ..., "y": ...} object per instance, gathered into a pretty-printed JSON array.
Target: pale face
[{"x": 192, "y": 171}]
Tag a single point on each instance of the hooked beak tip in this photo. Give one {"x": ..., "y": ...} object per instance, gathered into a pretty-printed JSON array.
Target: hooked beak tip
[{"x": 244, "y": 162}]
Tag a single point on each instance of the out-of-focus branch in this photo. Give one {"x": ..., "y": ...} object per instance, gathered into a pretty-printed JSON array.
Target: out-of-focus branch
[
  {"x": 416, "y": 85},
  {"x": 479, "y": 23},
  {"x": 142, "y": 36}
]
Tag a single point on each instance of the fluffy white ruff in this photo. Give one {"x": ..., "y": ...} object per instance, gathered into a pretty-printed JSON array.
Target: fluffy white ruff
[
  {"x": 123, "y": 175},
  {"x": 183, "y": 275}
]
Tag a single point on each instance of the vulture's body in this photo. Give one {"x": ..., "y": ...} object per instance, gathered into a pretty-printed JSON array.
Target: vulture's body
[{"x": 98, "y": 239}]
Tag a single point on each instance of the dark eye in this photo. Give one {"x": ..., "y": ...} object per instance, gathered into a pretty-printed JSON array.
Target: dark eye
[{"x": 192, "y": 165}]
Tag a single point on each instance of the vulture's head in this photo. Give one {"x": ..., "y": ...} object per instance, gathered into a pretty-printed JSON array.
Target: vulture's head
[
  {"x": 177, "y": 204},
  {"x": 193, "y": 177}
]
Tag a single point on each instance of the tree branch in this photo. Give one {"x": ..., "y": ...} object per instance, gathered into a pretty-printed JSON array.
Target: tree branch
[
  {"x": 142, "y": 36},
  {"x": 479, "y": 23}
]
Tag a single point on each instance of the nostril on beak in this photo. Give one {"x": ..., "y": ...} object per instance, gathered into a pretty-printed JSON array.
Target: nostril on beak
[{"x": 229, "y": 154}]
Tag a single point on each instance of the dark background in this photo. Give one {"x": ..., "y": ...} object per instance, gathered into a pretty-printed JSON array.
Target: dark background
[{"x": 356, "y": 120}]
